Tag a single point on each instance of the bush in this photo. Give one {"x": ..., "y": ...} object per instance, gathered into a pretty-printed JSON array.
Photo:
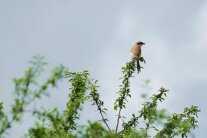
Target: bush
[{"x": 54, "y": 124}]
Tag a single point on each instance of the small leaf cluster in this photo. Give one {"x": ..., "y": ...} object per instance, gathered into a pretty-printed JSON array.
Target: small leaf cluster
[
  {"x": 76, "y": 97},
  {"x": 141, "y": 59},
  {"x": 3, "y": 120},
  {"x": 180, "y": 124},
  {"x": 149, "y": 112},
  {"x": 124, "y": 91},
  {"x": 149, "y": 109}
]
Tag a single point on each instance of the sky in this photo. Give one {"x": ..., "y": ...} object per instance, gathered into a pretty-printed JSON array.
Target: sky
[{"x": 97, "y": 36}]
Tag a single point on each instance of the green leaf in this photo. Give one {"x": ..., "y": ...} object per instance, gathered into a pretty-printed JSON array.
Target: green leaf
[{"x": 115, "y": 107}]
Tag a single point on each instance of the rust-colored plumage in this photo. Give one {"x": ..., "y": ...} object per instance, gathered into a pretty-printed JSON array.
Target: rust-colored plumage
[{"x": 136, "y": 53}]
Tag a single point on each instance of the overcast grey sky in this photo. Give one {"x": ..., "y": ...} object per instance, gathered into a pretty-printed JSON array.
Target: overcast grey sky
[{"x": 97, "y": 36}]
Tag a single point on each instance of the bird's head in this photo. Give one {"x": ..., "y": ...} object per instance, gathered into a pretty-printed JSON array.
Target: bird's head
[{"x": 140, "y": 43}]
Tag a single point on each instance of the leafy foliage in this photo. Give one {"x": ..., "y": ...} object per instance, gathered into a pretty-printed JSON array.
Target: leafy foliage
[
  {"x": 76, "y": 97},
  {"x": 95, "y": 98},
  {"x": 180, "y": 124},
  {"x": 149, "y": 121},
  {"x": 27, "y": 90},
  {"x": 124, "y": 91}
]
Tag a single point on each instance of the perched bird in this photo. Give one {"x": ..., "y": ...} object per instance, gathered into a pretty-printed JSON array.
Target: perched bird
[{"x": 136, "y": 53}]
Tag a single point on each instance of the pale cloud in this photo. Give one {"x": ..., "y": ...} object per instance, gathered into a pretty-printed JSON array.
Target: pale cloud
[
  {"x": 126, "y": 25},
  {"x": 200, "y": 27}
]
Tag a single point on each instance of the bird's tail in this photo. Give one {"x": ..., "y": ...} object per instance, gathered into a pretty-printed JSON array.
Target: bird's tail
[{"x": 138, "y": 66}]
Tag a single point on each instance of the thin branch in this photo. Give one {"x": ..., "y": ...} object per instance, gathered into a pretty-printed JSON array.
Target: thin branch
[
  {"x": 96, "y": 100},
  {"x": 104, "y": 120},
  {"x": 130, "y": 123},
  {"x": 117, "y": 125}
]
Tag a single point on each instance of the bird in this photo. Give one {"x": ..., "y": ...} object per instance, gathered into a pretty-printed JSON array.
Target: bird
[{"x": 136, "y": 53}]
